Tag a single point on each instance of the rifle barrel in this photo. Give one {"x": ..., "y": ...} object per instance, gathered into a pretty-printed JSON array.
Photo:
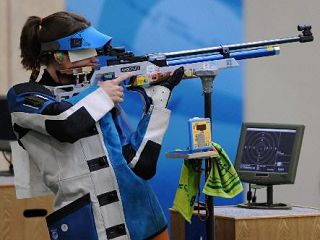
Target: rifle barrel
[
  {"x": 231, "y": 47},
  {"x": 238, "y": 55}
]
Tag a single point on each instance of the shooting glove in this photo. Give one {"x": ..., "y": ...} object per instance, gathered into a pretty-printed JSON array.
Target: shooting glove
[
  {"x": 174, "y": 79},
  {"x": 159, "y": 95}
]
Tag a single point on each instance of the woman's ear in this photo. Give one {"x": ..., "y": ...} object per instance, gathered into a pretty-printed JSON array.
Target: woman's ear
[{"x": 59, "y": 57}]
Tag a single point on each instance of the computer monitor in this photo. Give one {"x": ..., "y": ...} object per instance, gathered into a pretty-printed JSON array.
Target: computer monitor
[
  {"x": 6, "y": 131},
  {"x": 268, "y": 154}
]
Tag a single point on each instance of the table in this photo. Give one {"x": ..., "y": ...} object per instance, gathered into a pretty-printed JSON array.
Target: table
[
  {"x": 234, "y": 223},
  {"x": 13, "y": 224}
]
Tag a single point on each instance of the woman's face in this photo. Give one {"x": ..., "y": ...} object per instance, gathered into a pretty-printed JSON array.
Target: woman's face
[
  {"x": 65, "y": 69},
  {"x": 67, "y": 64}
]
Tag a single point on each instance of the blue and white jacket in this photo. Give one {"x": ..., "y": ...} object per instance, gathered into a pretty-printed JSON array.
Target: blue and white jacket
[{"x": 82, "y": 150}]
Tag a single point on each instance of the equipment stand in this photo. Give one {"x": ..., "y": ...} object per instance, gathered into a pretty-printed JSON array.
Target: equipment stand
[
  {"x": 207, "y": 77},
  {"x": 207, "y": 74}
]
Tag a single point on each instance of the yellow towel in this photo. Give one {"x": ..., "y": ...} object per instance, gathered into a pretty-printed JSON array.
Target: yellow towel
[
  {"x": 188, "y": 188},
  {"x": 223, "y": 181}
]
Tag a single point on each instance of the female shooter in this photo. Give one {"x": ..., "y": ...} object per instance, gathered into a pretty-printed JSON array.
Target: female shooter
[{"x": 81, "y": 148}]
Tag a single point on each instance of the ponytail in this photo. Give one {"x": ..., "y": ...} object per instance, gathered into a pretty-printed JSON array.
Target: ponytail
[{"x": 29, "y": 43}]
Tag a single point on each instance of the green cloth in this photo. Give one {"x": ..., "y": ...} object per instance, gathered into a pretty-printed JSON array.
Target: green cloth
[
  {"x": 223, "y": 181},
  {"x": 188, "y": 188}
]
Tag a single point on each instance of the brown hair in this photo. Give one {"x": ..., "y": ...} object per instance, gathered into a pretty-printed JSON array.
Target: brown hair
[{"x": 36, "y": 31}]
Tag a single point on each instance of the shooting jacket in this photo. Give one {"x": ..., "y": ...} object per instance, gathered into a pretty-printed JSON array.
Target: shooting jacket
[{"x": 83, "y": 152}]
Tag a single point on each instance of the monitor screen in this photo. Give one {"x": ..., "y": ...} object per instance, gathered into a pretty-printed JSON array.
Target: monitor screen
[
  {"x": 268, "y": 153},
  {"x": 6, "y": 131}
]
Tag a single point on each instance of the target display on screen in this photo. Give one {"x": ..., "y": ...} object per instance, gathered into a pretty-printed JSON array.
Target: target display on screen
[
  {"x": 267, "y": 150},
  {"x": 268, "y": 153}
]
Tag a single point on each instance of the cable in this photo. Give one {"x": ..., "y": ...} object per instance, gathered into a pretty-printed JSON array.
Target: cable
[
  {"x": 9, "y": 160},
  {"x": 254, "y": 198},
  {"x": 249, "y": 194},
  {"x": 255, "y": 187},
  {"x": 6, "y": 158}
]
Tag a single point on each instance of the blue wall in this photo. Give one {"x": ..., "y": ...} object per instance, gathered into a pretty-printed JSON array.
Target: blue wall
[{"x": 171, "y": 25}]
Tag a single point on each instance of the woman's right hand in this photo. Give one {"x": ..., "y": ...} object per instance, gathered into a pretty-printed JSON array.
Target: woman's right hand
[{"x": 112, "y": 88}]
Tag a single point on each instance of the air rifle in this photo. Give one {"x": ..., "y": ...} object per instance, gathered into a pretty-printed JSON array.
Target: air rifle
[{"x": 149, "y": 69}]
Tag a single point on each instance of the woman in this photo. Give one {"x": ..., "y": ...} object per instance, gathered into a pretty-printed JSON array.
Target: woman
[{"x": 81, "y": 147}]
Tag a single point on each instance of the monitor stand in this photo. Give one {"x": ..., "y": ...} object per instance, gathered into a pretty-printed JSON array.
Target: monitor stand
[{"x": 267, "y": 205}]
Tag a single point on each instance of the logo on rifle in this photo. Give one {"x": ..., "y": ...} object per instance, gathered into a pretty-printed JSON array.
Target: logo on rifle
[{"x": 130, "y": 68}]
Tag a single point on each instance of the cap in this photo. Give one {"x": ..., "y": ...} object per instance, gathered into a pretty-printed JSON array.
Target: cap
[{"x": 84, "y": 39}]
